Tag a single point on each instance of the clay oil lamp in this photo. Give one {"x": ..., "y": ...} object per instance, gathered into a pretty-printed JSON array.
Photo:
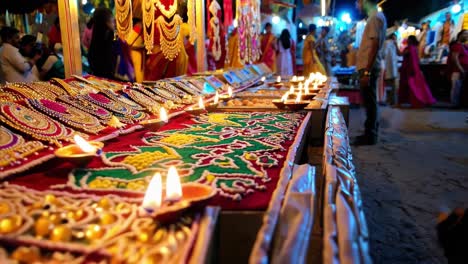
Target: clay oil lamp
[
  {"x": 279, "y": 103},
  {"x": 307, "y": 94},
  {"x": 155, "y": 124},
  {"x": 167, "y": 205},
  {"x": 278, "y": 84},
  {"x": 228, "y": 96},
  {"x": 297, "y": 104},
  {"x": 81, "y": 152},
  {"x": 214, "y": 105},
  {"x": 197, "y": 110}
]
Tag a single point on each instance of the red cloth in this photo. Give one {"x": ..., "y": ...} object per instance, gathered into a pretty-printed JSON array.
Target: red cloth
[
  {"x": 54, "y": 36},
  {"x": 413, "y": 87},
  {"x": 228, "y": 14},
  {"x": 55, "y": 172},
  {"x": 462, "y": 50}
]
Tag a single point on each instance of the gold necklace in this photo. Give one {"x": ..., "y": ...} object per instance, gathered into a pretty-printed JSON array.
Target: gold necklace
[
  {"x": 169, "y": 36},
  {"x": 167, "y": 12},
  {"x": 191, "y": 17},
  {"x": 148, "y": 10},
  {"x": 123, "y": 15}
]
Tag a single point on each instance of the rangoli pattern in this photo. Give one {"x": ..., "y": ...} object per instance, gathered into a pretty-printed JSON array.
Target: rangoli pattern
[{"x": 236, "y": 152}]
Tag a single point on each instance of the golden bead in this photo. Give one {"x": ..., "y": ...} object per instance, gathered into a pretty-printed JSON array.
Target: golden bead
[
  {"x": 61, "y": 233},
  {"x": 7, "y": 225},
  {"x": 55, "y": 219},
  {"x": 107, "y": 218},
  {"x": 42, "y": 226},
  {"x": 123, "y": 208},
  {"x": 4, "y": 208},
  {"x": 143, "y": 237},
  {"x": 26, "y": 254},
  {"x": 77, "y": 215},
  {"x": 50, "y": 198},
  {"x": 104, "y": 203},
  {"x": 94, "y": 232},
  {"x": 159, "y": 235}
]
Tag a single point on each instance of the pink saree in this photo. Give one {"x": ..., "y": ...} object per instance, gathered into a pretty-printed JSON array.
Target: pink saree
[{"x": 413, "y": 87}]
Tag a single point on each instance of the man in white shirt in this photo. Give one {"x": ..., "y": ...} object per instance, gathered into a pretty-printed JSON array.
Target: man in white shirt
[
  {"x": 369, "y": 60},
  {"x": 14, "y": 67}
]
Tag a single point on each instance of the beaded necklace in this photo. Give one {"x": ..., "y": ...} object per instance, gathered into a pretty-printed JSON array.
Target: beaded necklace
[
  {"x": 47, "y": 87},
  {"x": 68, "y": 88},
  {"x": 13, "y": 147},
  {"x": 86, "y": 106},
  {"x": 124, "y": 112},
  {"x": 33, "y": 123},
  {"x": 68, "y": 115},
  {"x": 186, "y": 86},
  {"x": 150, "y": 104},
  {"x": 117, "y": 97},
  {"x": 21, "y": 90},
  {"x": 171, "y": 89},
  {"x": 149, "y": 92},
  {"x": 123, "y": 15}
]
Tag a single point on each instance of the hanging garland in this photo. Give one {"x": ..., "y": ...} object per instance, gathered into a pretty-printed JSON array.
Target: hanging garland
[
  {"x": 191, "y": 15},
  {"x": 214, "y": 23},
  {"x": 123, "y": 15},
  {"x": 169, "y": 36},
  {"x": 148, "y": 10}
]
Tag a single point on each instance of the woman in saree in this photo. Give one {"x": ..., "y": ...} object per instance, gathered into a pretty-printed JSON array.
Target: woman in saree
[
  {"x": 413, "y": 88},
  {"x": 309, "y": 54}
]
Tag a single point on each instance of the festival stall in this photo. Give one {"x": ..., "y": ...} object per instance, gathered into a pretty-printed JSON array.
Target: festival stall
[{"x": 172, "y": 168}]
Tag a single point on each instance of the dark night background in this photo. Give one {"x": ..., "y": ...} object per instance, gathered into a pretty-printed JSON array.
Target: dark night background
[{"x": 414, "y": 10}]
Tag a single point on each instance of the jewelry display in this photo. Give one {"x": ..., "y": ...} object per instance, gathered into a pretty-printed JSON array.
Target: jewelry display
[
  {"x": 47, "y": 87},
  {"x": 124, "y": 112},
  {"x": 64, "y": 85},
  {"x": 32, "y": 123},
  {"x": 214, "y": 23},
  {"x": 84, "y": 87},
  {"x": 68, "y": 115},
  {"x": 167, "y": 12},
  {"x": 186, "y": 86},
  {"x": 191, "y": 20},
  {"x": 86, "y": 106},
  {"x": 148, "y": 10},
  {"x": 122, "y": 99},
  {"x": 13, "y": 147},
  {"x": 169, "y": 36},
  {"x": 171, "y": 89},
  {"x": 123, "y": 15},
  {"x": 150, "y": 104},
  {"x": 21, "y": 90}
]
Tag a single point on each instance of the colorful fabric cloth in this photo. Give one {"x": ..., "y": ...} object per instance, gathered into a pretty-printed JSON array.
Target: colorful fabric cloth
[
  {"x": 241, "y": 154},
  {"x": 413, "y": 88}
]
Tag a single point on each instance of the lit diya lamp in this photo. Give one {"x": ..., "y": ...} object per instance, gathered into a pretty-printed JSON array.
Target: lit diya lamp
[
  {"x": 278, "y": 84},
  {"x": 295, "y": 80},
  {"x": 157, "y": 123},
  {"x": 200, "y": 108},
  {"x": 280, "y": 103},
  {"x": 297, "y": 104},
  {"x": 81, "y": 152},
  {"x": 307, "y": 94},
  {"x": 170, "y": 203},
  {"x": 228, "y": 96},
  {"x": 214, "y": 105}
]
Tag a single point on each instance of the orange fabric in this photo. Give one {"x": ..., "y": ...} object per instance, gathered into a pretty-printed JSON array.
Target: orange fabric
[{"x": 446, "y": 33}]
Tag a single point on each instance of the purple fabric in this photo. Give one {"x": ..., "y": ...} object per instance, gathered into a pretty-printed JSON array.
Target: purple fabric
[{"x": 413, "y": 87}]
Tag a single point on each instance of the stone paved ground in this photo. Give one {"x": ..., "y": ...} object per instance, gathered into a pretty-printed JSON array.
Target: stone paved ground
[{"x": 419, "y": 167}]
